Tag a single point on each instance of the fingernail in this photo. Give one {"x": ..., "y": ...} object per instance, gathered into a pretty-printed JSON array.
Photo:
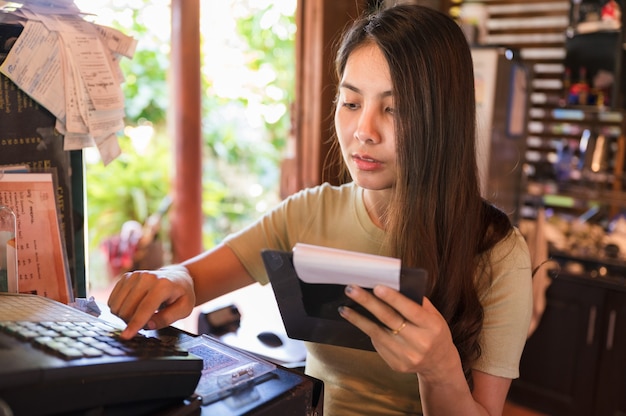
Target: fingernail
[
  {"x": 151, "y": 325},
  {"x": 341, "y": 310},
  {"x": 349, "y": 289}
]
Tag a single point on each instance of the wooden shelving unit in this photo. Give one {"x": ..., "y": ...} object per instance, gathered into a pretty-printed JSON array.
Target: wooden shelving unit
[{"x": 574, "y": 363}]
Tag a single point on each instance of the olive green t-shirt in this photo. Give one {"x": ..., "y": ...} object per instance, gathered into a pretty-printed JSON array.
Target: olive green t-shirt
[{"x": 359, "y": 382}]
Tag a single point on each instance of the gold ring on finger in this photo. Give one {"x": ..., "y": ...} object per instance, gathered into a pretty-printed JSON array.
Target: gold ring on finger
[{"x": 400, "y": 328}]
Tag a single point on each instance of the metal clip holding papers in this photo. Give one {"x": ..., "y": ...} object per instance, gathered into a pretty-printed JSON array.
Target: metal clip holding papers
[{"x": 308, "y": 304}]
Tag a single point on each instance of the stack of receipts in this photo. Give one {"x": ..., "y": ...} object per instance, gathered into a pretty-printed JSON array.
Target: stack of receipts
[
  {"x": 70, "y": 66},
  {"x": 317, "y": 264}
]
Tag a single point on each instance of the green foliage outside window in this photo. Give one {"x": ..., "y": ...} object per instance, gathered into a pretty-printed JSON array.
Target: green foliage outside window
[{"x": 240, "y": 162}]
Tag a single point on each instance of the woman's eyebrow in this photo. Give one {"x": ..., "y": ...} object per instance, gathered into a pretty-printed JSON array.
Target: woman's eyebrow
[{"x": 351, "y": 87}]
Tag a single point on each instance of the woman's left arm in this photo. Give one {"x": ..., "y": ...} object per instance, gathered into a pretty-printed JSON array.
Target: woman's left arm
[
  {"x": 487, "y": 397},
  {"x": 420, "y": 342}
]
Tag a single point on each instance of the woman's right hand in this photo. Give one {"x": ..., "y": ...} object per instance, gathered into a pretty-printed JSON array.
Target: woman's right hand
[{"x": 152, "y": 299}]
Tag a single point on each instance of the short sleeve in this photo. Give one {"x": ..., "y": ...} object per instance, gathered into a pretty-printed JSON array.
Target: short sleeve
[{"x": 507, "y": 305}]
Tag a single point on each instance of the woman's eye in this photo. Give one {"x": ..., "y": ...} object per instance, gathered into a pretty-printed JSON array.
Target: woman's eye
[
  {"x": 390, "y": 110},
  {"x": 350, "y": 106}
]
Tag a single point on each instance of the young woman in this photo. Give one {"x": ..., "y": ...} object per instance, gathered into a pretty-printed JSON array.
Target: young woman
[{"x": 405, "y": 124}]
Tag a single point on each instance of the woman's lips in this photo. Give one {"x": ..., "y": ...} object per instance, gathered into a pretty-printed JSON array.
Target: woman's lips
[{"x": 365, "y": 162}]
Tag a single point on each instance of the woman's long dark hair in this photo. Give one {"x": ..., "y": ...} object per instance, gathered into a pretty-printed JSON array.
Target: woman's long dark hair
[{"x": 437, "y": 218}]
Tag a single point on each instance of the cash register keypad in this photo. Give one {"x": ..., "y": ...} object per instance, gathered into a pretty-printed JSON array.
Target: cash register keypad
[{"x": 73, "y": 340}]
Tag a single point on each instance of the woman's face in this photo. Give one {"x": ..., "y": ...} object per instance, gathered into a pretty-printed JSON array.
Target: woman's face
[{"x": 364, "y": 119}]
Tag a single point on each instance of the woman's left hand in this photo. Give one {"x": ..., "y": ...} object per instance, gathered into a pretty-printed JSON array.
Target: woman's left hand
[{"x": 416, "y": 338}]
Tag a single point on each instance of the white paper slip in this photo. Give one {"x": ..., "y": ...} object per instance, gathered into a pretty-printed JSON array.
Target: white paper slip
[{"x": 316, "y": 264}]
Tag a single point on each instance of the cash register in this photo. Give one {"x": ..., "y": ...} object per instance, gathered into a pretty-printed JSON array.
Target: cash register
[{"x": 55, "y": 359}]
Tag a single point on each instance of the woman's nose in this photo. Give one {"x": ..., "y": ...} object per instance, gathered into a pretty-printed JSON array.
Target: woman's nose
[{"x": 366, "y": 130}]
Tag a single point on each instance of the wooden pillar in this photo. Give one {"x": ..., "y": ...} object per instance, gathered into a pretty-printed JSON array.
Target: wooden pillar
[
  {"x": 185, "y": 118},
  {"x": 319, "y": 23}
]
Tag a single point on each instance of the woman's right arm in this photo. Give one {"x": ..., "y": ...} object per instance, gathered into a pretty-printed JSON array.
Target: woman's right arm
[
  {"x": 216, "y": 272},
  {"x": 154, "y": 299}
]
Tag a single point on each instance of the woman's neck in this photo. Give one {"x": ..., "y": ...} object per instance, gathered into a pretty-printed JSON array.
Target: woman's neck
[{"x": 376, "y": 203}]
